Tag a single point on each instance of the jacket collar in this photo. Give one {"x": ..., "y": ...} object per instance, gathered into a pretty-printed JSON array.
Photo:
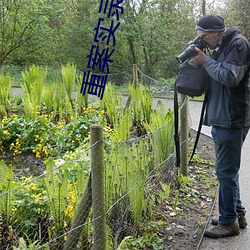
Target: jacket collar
[{"x": 231, "y": 32}]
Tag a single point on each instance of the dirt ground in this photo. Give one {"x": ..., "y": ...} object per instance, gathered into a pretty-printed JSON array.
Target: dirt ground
[{"x": 187, "y": 222}]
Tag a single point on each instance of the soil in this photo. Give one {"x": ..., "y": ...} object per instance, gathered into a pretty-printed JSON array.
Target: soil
[
  {"x": 186, "y": 223},
  {"x": 25, "y": 164}
]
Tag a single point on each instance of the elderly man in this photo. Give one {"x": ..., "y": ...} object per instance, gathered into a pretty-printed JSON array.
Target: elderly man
[{"x": 228, "y": 112}]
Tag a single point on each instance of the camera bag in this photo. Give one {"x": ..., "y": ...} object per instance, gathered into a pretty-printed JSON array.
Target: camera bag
[{"x": 192, "y": 79}]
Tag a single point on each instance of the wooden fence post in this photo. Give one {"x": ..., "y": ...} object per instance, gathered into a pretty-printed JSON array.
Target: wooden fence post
[
  {"x": 135, "y": 77},
  {"x": 135, "y": 74},
  {"x": 98, "y": 194}
]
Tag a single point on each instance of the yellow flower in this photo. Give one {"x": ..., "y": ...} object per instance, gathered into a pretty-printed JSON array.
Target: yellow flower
[
  {"x": 69, "y": 211},
  {"x": 45, "y": 151},
  {"x": 31, "y": 187},
  {"x": 12, "y": 145},
  {"x": 14, "y": 209},
  {"x": 73, "y": 199},
  {"x": 38, "y": 155},
  {"x": 37, "y": 197},
  {"x": 16, "y": 152},
  {"x": 6, "y": 132}
]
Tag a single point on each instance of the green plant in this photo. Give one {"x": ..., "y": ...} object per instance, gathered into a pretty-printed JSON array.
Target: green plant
[
  {"x": 126, "y": 172},
  {"x": 23, "y": 246},
  {"x": 184, "y": 181},
  {"x": 30, "y": 208},
  {"x": 5, "y": 89},
  {"x": 147, "y": 241},
  {"x": 141, "y": 104},
  {"x": 6, "y": 196},
  {"x": 48, "y": 98},
  {"x": 113, "y": 109},
  {"x": 68, "y": 74},
  {"x": 33, "y": 86},
  {"x": 81, "y": 101},
  {"x": 161, "y": 128},
  {"x": 176, "y": 199},
  {"x": 45, "y": 138},
  {"x": 56, "y": 187},
  {"x": 164, "y": 191}
]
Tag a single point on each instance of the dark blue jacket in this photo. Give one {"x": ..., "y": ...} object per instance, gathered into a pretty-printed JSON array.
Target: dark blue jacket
[{"x": 229, "y": 90}]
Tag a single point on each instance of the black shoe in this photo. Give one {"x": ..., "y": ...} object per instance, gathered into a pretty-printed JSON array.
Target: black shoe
[
  {"x": 221, "y": 231},
  {"x": 241, "y": 219}
]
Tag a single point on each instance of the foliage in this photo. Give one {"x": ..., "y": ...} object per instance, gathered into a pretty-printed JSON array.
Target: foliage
[
  {"x": 22, "y": 23},
  {"x": 30, "y": 204},
  {"x": 5, "y": 89},
  {"x": 43, "y": 206},
  {"x": 147, "y": 241},
  {"x": 6, "y": 184},
  {"x": 22, "y": 245},
  {"x": 141, "y": 106},
  {"x": 51, "y": 200},
  {"x": 113, "y": 109},
  {"x": 151, "y": 33},
  {"x": 161, "y": 126},
  {"x": 43, "y": 137},
  {"x": 68, "y": 73},
  {"x": 34, "y": 81}
]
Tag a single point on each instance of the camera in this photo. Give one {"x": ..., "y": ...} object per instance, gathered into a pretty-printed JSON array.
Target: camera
[{"x": 190, "y": 51}]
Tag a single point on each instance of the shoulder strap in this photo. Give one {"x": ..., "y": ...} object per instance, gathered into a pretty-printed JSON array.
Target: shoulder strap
[
  {"x": 199, "y": 127},
  {"x": 176, "y": 127}
]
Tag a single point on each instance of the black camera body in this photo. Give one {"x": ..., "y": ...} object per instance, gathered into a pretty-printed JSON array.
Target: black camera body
[{"x": 190, "y": 51}]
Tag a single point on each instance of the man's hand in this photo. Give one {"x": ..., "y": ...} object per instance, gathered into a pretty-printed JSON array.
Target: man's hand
[{"x": 200, "y": 58}]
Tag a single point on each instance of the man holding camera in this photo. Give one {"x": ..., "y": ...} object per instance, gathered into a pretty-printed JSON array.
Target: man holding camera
[{"x": 228, "y": 112}]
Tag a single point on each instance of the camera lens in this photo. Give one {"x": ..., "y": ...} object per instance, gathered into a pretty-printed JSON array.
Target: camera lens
[
  {"x": 187, "y": 53},
  {"x": 190, "y": 51}
]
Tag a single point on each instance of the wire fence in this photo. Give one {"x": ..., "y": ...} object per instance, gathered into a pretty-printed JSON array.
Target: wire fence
[
  {"x": 55, "y": 210},
  {"x": 42, "y": 208}
]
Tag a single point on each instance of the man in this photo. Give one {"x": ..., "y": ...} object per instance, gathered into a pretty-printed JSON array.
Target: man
[{"x": 228, "y": 112}]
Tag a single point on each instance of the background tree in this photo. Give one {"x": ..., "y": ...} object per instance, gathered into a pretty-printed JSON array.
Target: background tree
[
  {"x": 151, "y": 32},
  {"x": 237, "y": 13},
  {"x": 22, "y": 25}
]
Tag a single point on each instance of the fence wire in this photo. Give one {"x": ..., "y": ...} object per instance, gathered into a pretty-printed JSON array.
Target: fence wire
[{"x": 43, "y": 210}]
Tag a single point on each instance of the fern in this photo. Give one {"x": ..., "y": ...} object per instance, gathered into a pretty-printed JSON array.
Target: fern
[
  {"x": 161, "y": 126},
  {"x": 114, "y": 107},
  {"x": 56, "y": 185},
  {"x": 6, "y": 184},
  {"x": 48, "y": 98},
  {"x": 5, "y": 90},
  {"x": 68, "y": 74},
  {"x": 33, "y": 86}
]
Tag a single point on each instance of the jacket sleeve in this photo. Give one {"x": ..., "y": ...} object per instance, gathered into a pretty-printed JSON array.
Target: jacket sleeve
[{"x": 234, "y": 66}]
